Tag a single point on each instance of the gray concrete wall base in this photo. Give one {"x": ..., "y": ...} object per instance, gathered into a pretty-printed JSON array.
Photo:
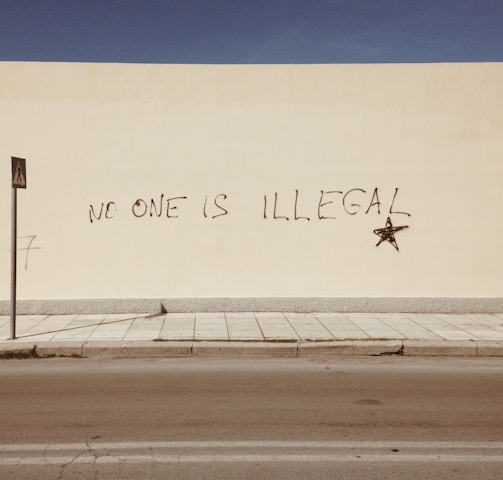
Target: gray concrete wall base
[{"x": 264, "y": 304}]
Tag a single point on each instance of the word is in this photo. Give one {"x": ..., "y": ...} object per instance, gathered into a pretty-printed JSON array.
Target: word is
[{"x": 163, "y": 206}]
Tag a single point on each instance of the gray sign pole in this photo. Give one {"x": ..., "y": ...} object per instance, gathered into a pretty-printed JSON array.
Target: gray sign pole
[
  {"x": 18, "y": 181},
  {"x": 13, "y": 265}
]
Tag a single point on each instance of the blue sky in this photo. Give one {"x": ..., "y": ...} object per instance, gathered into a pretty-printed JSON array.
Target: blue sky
[{"x": 252, "y": 31}]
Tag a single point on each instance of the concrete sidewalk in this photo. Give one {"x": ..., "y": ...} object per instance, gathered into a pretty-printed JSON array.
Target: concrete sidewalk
[{"x": 268, "y": 334}]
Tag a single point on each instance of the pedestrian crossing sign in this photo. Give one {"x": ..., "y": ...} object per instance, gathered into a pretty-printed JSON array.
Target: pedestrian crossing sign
[{"x": 18, "y": 172}]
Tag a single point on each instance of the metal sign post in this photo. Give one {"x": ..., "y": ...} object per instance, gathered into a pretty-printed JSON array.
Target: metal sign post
[{"x": 18, "y": 181}]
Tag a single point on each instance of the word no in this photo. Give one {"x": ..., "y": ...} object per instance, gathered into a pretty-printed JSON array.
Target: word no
[{"x": 161, "y": 207}]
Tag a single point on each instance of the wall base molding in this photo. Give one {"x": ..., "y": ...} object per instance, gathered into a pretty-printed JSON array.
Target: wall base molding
[{"x": 259, "y": 304}]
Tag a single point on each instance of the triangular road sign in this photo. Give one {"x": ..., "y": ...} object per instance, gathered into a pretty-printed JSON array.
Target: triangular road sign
[{"x": 18, "y": 172}]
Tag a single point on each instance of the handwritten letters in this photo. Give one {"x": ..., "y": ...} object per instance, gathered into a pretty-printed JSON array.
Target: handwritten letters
[{"x": 329, "y": 205}]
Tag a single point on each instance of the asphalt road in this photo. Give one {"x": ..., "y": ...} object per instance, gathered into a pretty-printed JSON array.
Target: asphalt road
[{"x": 383, "y": 417}]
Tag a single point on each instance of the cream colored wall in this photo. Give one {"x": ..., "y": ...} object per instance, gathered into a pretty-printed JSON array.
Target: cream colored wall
[{"x": 100, "y": 133}]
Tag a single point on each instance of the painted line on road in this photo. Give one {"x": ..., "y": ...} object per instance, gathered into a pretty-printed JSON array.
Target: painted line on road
[
  {"x": 187, "y": 452},
  {"x": 286, "y": 458},
  {"x": 80, "y": 446}
]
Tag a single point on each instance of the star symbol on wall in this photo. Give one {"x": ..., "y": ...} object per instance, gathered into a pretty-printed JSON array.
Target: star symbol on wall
[{"x": 387, "y": 233}]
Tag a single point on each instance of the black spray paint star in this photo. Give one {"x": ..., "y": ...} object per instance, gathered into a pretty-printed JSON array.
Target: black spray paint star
[{"x": 387, "y": 233}]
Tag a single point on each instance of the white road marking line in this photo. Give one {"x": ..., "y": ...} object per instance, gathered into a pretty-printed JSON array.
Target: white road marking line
[
  {"x": 45, "y": 447},
  {"x": 287, "y": 458}
]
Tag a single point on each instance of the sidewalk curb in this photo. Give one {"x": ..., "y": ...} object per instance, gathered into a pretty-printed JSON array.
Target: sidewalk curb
[
  {"x": 59, "y": 349},
  {"x": 442, "y": 348},
  {"x": 17, "y": 350},
  {"x": 243, "y": 349},
  {"x": 136, "y": 349},
  {"x": 150, "y": 349}
]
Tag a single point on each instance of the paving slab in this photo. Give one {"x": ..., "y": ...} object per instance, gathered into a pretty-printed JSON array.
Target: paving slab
[
  {"x": 211, "y": 326},
  {"x": 409, "y": 328},
  {"x": 78, "y": 333},
  {"x": 178, "y": 327},
  {"x": 243, "y": 327},
  {"x": 443, "y": 329},
  {"x": 96, "y": 317},
  {"x": 144, "y": 328},
  {"x": 111, "y": 329},
  {"x": 116, "y": 335},
  {"x": 120, "y": 316},
  {"x": 340, "y": 326},
  {"x": 374, "y": 327},
  {"x": 275, "y": 326},
  {"x": 26, "y": 322},
  {"x": 38, "y": 337},
  {"x": 307, "y": 326},
  {"x": 486, "y": 333},
  {"x": 494, "y": 322},
  {"x": 474, "y": 325},
  {"x": 78, "y": 328}
]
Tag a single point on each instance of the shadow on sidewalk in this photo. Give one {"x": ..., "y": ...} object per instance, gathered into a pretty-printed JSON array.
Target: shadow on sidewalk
[{"x": 104, "y": 322}]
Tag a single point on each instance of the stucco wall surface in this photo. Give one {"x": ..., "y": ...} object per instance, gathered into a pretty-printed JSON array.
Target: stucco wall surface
[{"x": 190, "y": 181}]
